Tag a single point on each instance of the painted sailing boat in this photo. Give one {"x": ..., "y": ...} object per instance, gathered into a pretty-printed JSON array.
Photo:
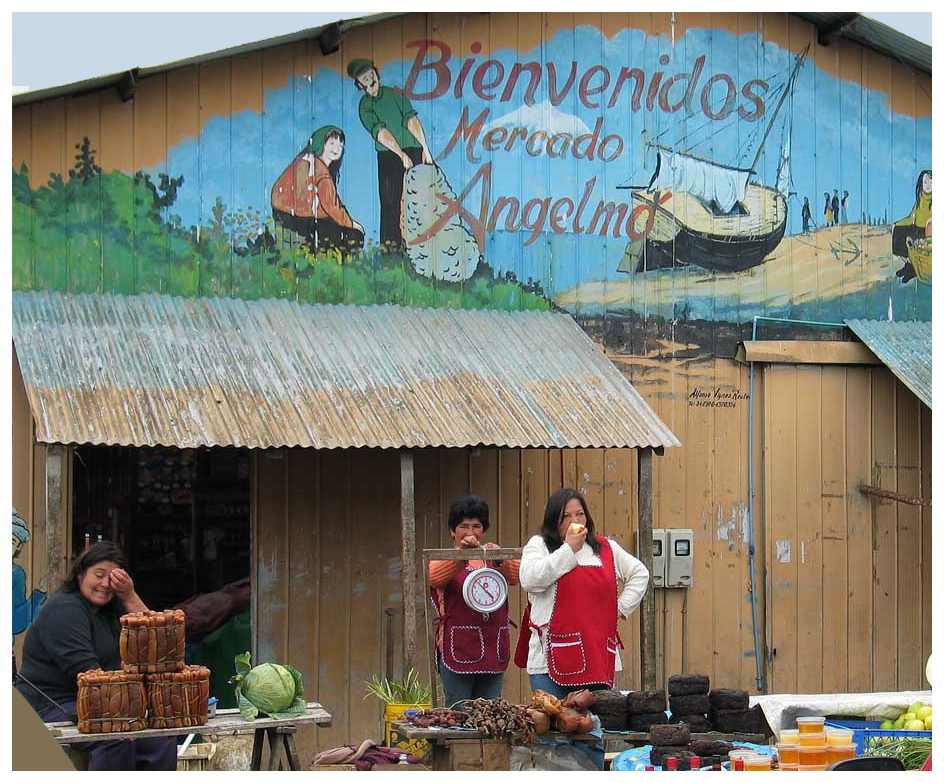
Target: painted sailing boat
[{"x": 715, "y": 217}]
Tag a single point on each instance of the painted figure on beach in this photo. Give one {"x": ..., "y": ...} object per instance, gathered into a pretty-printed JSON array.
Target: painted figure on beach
[
  {"x": 305, "y": 197},
  {"x": 911, "y": 236},
  {"x": 807, "y": 215},
  {"x": 390, "y": 119}
]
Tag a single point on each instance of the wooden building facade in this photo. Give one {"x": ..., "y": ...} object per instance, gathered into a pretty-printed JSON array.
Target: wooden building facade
[{"x": 162, "y": 182}]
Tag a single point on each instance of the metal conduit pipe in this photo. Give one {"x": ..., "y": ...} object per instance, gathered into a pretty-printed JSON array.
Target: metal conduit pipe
[{"x": 760, "y": 679}]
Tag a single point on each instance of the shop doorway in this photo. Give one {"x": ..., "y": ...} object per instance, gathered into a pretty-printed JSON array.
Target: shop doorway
[{"x": 182, "y": 517}]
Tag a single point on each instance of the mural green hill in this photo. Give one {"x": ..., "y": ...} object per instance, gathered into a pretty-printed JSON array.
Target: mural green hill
[{"x": 111, "y": 233}]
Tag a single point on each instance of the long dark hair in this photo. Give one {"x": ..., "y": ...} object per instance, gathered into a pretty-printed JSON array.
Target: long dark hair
[
  {"x": 918, "y": 186},
  {"x": 554, "y": 512},
  {"x": 99, "y": 552}
]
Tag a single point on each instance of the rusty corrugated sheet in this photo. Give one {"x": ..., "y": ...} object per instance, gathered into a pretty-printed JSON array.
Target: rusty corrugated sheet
[
  {"x": 149, "y": 370},
  {"x": 904, "y": 347}
]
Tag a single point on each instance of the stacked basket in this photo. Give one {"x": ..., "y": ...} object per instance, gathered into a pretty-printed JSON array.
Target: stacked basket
[{"x": 155, "y": 688}]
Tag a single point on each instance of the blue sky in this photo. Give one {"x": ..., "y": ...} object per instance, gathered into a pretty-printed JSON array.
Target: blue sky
[{"x": 98, "y": 44}]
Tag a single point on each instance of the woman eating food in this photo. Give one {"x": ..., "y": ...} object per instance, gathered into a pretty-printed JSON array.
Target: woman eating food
[
  {"x": 472, "y": 648},
  {"x": 568, "y": 638},
  {"x": 78, "y": 630}
]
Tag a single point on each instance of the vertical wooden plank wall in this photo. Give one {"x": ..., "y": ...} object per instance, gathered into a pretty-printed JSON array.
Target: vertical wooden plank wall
[
  {"x": 849, "y": 574},
  {"x": 326, "y": 553}
]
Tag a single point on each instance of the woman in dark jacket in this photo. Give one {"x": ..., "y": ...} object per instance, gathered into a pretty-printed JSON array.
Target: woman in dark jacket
[{"x": 78, "y": 630}]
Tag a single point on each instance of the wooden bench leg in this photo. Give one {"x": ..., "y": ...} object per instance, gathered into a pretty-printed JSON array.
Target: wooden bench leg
[
  {"x": 278, "y": 759},
  {"x": 258, "y": 741},
  {"x": 291, "y": 754}
]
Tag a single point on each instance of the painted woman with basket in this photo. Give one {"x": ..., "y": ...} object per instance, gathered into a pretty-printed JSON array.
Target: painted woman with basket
[{"x": 78, "y": 630}]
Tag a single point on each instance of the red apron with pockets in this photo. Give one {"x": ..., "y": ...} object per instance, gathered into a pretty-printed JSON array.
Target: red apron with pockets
[
  {"x": 472, "y": 642},
  {"x": 581, "y": 640}
]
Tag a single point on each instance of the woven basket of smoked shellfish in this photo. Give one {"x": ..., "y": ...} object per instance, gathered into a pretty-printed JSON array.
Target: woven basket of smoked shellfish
[
  {"x": 152, "y": 642},
  {"x": 110, "y": 701},
  {"x": 178, "y": 699}
]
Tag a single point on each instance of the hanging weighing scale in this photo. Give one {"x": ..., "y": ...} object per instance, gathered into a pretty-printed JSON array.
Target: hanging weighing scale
[{"x": 485, "y": 590}]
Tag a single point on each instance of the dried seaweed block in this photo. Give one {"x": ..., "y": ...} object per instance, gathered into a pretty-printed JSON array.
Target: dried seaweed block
[
  {"x": 697, "y": 724},
  {"x": 750, "y": 721},
  {"x": 614, "y": 722},
  {"x": 705, "y": 747},
  {"x": 659, "y": 754},
  {"x": 670, "y": 734},
  {"x": 608, "y": 702},
  {"x": 644, "y": 721},
  {"x": 693, "y": 704},
  {"x": 728, "y": 699},
  {"x": 639, "y": 702},
  {"x": 687, "y": 684}
]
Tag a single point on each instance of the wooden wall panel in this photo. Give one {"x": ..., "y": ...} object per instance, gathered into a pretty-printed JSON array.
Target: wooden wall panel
[
  {"x": 859, "y": 558},
  {"x": 858, "y": 404}
]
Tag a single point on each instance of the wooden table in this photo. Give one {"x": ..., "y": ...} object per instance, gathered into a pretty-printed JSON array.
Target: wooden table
[
  {"x": 639, "y": 738},
  {"x": 449, "y": 746},
  {"x": 280, "y": 734}
]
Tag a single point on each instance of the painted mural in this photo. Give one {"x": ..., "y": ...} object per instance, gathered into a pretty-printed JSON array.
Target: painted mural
[
  {"x": 692, "y": 180},
  {"x": 26, "y": 603}
]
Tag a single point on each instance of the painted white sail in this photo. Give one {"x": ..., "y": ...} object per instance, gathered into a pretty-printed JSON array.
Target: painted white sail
[{"x": 708, "y": 181}]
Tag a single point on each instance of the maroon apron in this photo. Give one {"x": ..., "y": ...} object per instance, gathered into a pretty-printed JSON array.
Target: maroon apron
[
  {"x": 472, "y": 642},
  {"x": 581, "y": 639}
]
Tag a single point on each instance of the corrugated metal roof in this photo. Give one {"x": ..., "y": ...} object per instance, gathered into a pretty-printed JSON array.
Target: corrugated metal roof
[
  {"x": 875, "y": 35},
  {"x": 904, "y": 347},
  {"x": 175, "y": 371}
]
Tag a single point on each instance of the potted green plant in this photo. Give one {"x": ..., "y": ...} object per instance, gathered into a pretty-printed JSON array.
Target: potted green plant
[{"x": 398, "y": 696}]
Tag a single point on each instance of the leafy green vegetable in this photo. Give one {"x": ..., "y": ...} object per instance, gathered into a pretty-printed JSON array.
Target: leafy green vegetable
[
  {"x": 911, "y": 751},
  {"x": 270, "y": 689}
]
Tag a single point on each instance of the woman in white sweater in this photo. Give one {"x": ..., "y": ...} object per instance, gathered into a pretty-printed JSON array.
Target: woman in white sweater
[{"x": 568, "y": 638}]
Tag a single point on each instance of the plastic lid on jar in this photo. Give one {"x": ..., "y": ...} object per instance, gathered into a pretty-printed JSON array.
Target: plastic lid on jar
[{"x": 811, "y": 720}]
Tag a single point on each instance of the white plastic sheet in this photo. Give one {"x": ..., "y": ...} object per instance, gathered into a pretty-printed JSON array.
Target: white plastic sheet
[{"x": 782, "y": 709}]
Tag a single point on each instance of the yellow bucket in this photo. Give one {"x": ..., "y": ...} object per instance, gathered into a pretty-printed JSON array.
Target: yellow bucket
[{"x": 392, "y": 738}]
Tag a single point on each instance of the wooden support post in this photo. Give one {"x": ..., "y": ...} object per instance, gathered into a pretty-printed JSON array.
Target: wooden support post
[
  {"x": 408, "y": 557},
  {"x": 647, "y": 613},
  {"x": 57, "y": 548}
]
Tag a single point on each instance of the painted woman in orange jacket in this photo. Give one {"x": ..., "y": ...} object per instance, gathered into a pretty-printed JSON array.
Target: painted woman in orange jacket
[{"x": 305, "y": 196}]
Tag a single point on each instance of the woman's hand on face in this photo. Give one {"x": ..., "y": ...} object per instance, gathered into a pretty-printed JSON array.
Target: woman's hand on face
[
  {"x": 121, "y": 583},
  {"x": 575, "y": 540}
]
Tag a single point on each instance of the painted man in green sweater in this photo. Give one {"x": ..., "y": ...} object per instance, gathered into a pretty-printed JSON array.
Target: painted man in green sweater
[{"x": 390, "y": 119}]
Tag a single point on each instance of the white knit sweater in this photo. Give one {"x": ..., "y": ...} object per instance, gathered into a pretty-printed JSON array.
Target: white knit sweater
[{"x": 540, "y": 571}]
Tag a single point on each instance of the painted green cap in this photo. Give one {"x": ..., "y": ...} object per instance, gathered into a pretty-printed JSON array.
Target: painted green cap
[{"x": 356, "y": 67}]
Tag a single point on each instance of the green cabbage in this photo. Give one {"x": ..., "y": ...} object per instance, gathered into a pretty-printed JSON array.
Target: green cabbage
[{"x": 271, "y": 689}]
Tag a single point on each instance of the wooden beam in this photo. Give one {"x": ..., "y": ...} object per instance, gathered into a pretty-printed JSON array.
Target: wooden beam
[
  {"x": 647, "y": 610},
  {"x": 57, "y": 549},
  {"x": 888, "y": 494},
  {"x": 503, "y": 553},
  {"x": 408, "y": 557},
  {"x": 805, "y": 352},
  {"x": 827, "y": 33}
]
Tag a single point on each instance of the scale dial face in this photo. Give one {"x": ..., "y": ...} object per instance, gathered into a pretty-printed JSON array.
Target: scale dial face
[{"x": 485, "y": 590}]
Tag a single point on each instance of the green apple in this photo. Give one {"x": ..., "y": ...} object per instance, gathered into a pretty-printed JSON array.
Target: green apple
[
  {"x": 887, "y": 724},
  {"x": 909, "y": 716},
  {"x": 915, "y": 707},
  {"x": 927, "y": 723},
  {"x": 914, "y": 725},
  {"x": 899, "y": 723},
  {"x": 923, "y": 713}
]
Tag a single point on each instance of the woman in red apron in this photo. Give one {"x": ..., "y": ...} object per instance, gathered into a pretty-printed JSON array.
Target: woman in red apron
[
  {"x": 472, "y": 649},
  {"x": 569, "y": 637}
]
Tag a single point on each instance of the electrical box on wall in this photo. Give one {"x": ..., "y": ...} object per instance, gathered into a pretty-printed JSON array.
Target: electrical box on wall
[
  {"x": 658, "y": 556},
  {"x": 679, "y": 557}
]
